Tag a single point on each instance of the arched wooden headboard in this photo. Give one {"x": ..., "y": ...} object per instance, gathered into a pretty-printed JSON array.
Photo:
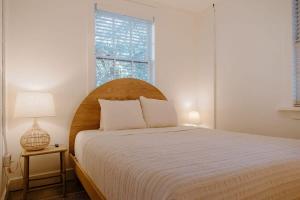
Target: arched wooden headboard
[{"x": 87, "y": 116}]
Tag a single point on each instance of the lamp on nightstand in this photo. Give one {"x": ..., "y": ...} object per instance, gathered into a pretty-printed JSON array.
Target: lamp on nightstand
[
  {"x": 194, "y": 118},
  {"x": 34, "y": 105}
]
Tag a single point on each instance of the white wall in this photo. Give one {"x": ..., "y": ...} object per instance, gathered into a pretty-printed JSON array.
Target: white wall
[
  {"x": 1, "y": 114},
  {"x": 254, "y": 66},
  {"x": 49, "y": 49}
]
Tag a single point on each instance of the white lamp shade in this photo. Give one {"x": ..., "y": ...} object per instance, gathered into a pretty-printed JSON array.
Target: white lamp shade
[
  {"x": 194, "y": 117},
  {"x": 34, "y": 104}
]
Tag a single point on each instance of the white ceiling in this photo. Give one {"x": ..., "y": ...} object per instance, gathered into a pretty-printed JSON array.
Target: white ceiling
[{"x": 189, "y": 5}]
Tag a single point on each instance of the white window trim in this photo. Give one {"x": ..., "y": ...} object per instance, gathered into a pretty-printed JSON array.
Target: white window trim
[
  {"x": 296, "y": 45},
  {"x": 148, "y": 60},
  {"x": 111, "y": 6}
]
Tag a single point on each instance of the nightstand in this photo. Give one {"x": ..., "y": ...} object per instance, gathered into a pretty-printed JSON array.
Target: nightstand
[
  {"x": 196, "y": 126},
  {"x": 61, "y": 150}
]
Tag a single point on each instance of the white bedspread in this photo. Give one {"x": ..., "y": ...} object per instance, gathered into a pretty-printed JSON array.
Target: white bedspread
[{"x": 190, "y": 163}]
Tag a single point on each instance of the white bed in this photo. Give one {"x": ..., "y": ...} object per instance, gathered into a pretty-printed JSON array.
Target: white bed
[{"x": 189, "y": 163}]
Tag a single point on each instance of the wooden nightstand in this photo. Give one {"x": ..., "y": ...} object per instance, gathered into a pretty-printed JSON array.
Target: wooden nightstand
[{"x": 49, "y": 150}]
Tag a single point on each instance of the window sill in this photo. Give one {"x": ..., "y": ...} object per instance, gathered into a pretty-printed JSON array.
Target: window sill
[
  {"x": 289, "y": 109},
  {"x": 291, "y": 112}
]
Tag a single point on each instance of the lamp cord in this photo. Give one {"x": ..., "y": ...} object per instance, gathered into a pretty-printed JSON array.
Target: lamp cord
[
  {"x": 10, "y": 170},
  {"x": 215, "y": 67},
  {"x": 3, "y": 128}
]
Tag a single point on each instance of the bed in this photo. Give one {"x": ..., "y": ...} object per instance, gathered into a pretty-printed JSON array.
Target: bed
[{"x": 177, "y": 162}]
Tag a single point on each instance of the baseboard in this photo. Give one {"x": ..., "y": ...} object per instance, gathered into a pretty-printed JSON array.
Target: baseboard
[{"x": 16, "y": 183}]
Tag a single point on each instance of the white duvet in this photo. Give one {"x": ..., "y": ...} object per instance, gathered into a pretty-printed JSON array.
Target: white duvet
[{"x": 189, "y": 163}]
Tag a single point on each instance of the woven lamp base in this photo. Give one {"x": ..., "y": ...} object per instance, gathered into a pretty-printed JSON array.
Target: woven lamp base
[{"x": 35, "y": 139}]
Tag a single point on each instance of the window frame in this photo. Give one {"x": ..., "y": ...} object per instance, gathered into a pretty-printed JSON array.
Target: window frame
[
  {"x": 150, "y": 62},
  {"x": 296, "y": 48}
]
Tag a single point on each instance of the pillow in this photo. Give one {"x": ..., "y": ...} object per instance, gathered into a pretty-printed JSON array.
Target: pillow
[
  {"x": 120, "y": 115},
  {"x": 158, "y": 113}
]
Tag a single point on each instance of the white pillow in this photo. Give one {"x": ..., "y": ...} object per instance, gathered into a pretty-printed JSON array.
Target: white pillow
[
  {"x": 120, "y": 115},
  {"x": 158, "y": 113}
]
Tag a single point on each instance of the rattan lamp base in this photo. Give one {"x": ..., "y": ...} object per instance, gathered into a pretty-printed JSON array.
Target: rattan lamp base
[{"x": 35, "y": 139}]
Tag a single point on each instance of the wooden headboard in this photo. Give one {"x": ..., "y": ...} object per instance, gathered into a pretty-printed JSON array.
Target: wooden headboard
[{"x": 87, "y": 116}]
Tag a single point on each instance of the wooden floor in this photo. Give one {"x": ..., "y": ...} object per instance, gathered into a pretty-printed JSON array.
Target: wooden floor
[{"x": 74, "y": 192}]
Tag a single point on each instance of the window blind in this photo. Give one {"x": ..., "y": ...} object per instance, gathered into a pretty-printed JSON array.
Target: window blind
[
  {"x": 123, "y": 47},
  {"x": 297, "y": 52}
]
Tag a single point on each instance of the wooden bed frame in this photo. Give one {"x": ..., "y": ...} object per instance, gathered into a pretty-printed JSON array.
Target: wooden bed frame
[{"x": 87, "y": 117}]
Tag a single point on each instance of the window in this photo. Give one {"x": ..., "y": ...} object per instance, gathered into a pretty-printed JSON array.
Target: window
[
  {"x": 297, "y": 52},
  {"x": 123, "y": 47}
]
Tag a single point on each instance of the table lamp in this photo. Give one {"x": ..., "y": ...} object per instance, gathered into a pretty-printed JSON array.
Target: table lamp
[
  {"x": 194, "y": 118},
  {"x": 34, "y": 105}
]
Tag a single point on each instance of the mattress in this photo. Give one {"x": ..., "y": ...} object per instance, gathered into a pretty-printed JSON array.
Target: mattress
[{"x": 189, "y": 163}]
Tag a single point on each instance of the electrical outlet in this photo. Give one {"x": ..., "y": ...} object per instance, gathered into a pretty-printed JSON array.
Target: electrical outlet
[{"x": 6, "y": 160}]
